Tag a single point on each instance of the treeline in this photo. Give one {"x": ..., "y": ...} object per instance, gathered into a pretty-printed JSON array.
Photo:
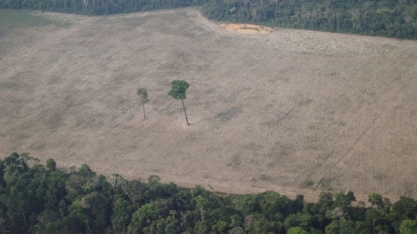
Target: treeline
[
  {"x": 39, "y": 199},
  {"x": 96, "y": 7},
  {"x": 390, "y": 18}
]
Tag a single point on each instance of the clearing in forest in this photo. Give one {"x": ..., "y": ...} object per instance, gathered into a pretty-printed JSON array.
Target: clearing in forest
[{"x": 292, "y": 111}]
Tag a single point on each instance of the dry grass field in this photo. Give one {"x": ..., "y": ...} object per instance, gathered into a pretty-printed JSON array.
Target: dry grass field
[{"x": 292, "y": 111}]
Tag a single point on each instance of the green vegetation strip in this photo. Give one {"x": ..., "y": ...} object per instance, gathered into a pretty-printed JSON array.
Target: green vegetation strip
[
  {"x": 376, "y": 18},
  {"x": 39, "y": 199},
  {"x": 23, "y": 19}
]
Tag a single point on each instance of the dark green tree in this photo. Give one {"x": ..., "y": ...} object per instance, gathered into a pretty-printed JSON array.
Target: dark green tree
[
  {"x": 405, "y": 208},
  {"x": 178, "y": 92},
  {"x": 51, "y": 164},
  {"x": 121, "y": 215},
  {"x": 143, "y": 99}
]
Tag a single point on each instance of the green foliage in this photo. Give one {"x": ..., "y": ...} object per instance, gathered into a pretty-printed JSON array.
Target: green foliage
[
  {"x": 408, "y": 227},
  {"x": 298, "y": 220},
  {"x": 178, "y": 88},
  {"x": 347, "y": 227},
  {"x": 307, "y": 183},
  {"x": 341, "y": 200},
  {"x": 247, "y": 204},
  {"x": 178, "y": 92},
  {"x": 237, "y": 230},
  {"x": 143, "y": 98},
  {"x": 221, "y": 226},
  {"x": 153, "y": 179},
  {"x": 375, "y": 200},
  {"x": 121, "y": 215},
  {"x": 260, "y": 226},
  {"x": 201, "y": 227},
  {"x": 406, "y": 208},
  {"x": 21, "y": 19},
  {"x": 51, "y": 164},
  {"x": 296, "y": 230},
  {"x": 86, "y": 171},
  {"x": 143, "y": 95},
  {"x": 40, "y": 200},
  {"x": 332, "y": 228}
]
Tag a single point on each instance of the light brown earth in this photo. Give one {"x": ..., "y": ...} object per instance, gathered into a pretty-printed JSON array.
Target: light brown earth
[
  {"x": 247, "y": 28},
  {"x": 275, "y": 111}
]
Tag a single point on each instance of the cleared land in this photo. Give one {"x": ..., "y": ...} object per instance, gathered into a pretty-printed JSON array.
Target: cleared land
[
  {"x": 292, "y": 111},
  {"x": 246, "y": 28}
]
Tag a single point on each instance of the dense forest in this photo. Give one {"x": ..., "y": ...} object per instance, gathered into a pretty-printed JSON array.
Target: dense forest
[
  {"x": 390, "y": 18},
  {"x": 42, "y": 199}
]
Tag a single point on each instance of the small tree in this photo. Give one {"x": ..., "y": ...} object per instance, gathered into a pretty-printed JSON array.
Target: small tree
[
  {"x": 143, "y": 99},
  {"x": 51, "y": 164},
  {"x": 178, "y": 92}
]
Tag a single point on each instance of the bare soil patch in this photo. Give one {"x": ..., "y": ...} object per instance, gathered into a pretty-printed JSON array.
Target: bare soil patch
[
  {"x": 292, "y": 111},
  {"x": 247, "y": 28}
]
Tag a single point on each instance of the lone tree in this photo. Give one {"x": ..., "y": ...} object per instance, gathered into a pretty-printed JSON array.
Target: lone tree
[
  {"x": 143, "y": 99},
  {"x": 178, "y": 92}
]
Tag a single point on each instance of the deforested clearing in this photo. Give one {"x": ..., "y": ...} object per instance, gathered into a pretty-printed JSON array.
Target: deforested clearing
[{"x": 292, "y": 111}]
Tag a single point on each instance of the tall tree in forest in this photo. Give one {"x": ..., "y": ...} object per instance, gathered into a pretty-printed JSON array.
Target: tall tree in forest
[
  {"x": 143, "y": 99},
  {"x": 178, "y": 92}
]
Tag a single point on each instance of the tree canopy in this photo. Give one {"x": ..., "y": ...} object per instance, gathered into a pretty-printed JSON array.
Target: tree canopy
[
  {"x": 178, "y": 89},
  {"x": 34, "y": 199},
  {"x": 143, "y": 95}
]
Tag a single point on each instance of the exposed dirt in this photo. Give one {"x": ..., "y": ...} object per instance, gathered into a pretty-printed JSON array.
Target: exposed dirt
[
  {"x": 292, "y": 111},
  {"x": 247, "y": 28}
]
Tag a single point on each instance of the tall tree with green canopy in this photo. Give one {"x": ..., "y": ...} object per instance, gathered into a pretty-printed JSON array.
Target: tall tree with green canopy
[
  {"x": 178, "y": 92},
  {"x": 143, "y": 99}
]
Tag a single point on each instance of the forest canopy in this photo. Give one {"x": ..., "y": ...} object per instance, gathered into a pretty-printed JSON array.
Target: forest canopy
[
  {"x": 389, "y": 18},
  {"x": 43, "y": 199}
]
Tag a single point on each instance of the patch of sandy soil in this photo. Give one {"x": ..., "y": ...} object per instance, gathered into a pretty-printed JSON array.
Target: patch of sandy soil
[
  {"x": 291, "y": 111},
  {"x": 247, "y": 28}
]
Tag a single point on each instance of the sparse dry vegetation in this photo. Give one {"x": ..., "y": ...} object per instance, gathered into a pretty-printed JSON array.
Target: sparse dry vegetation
[{"x": 268, "y": 111}]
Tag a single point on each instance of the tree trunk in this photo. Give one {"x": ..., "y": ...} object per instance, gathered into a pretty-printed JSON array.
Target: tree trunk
[
  {"x": 186, "y": 118},
  {"x": 143, "y": 108}
]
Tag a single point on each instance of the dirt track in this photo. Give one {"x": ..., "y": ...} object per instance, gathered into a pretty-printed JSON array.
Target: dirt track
[{"x": 268, "y": 111}]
